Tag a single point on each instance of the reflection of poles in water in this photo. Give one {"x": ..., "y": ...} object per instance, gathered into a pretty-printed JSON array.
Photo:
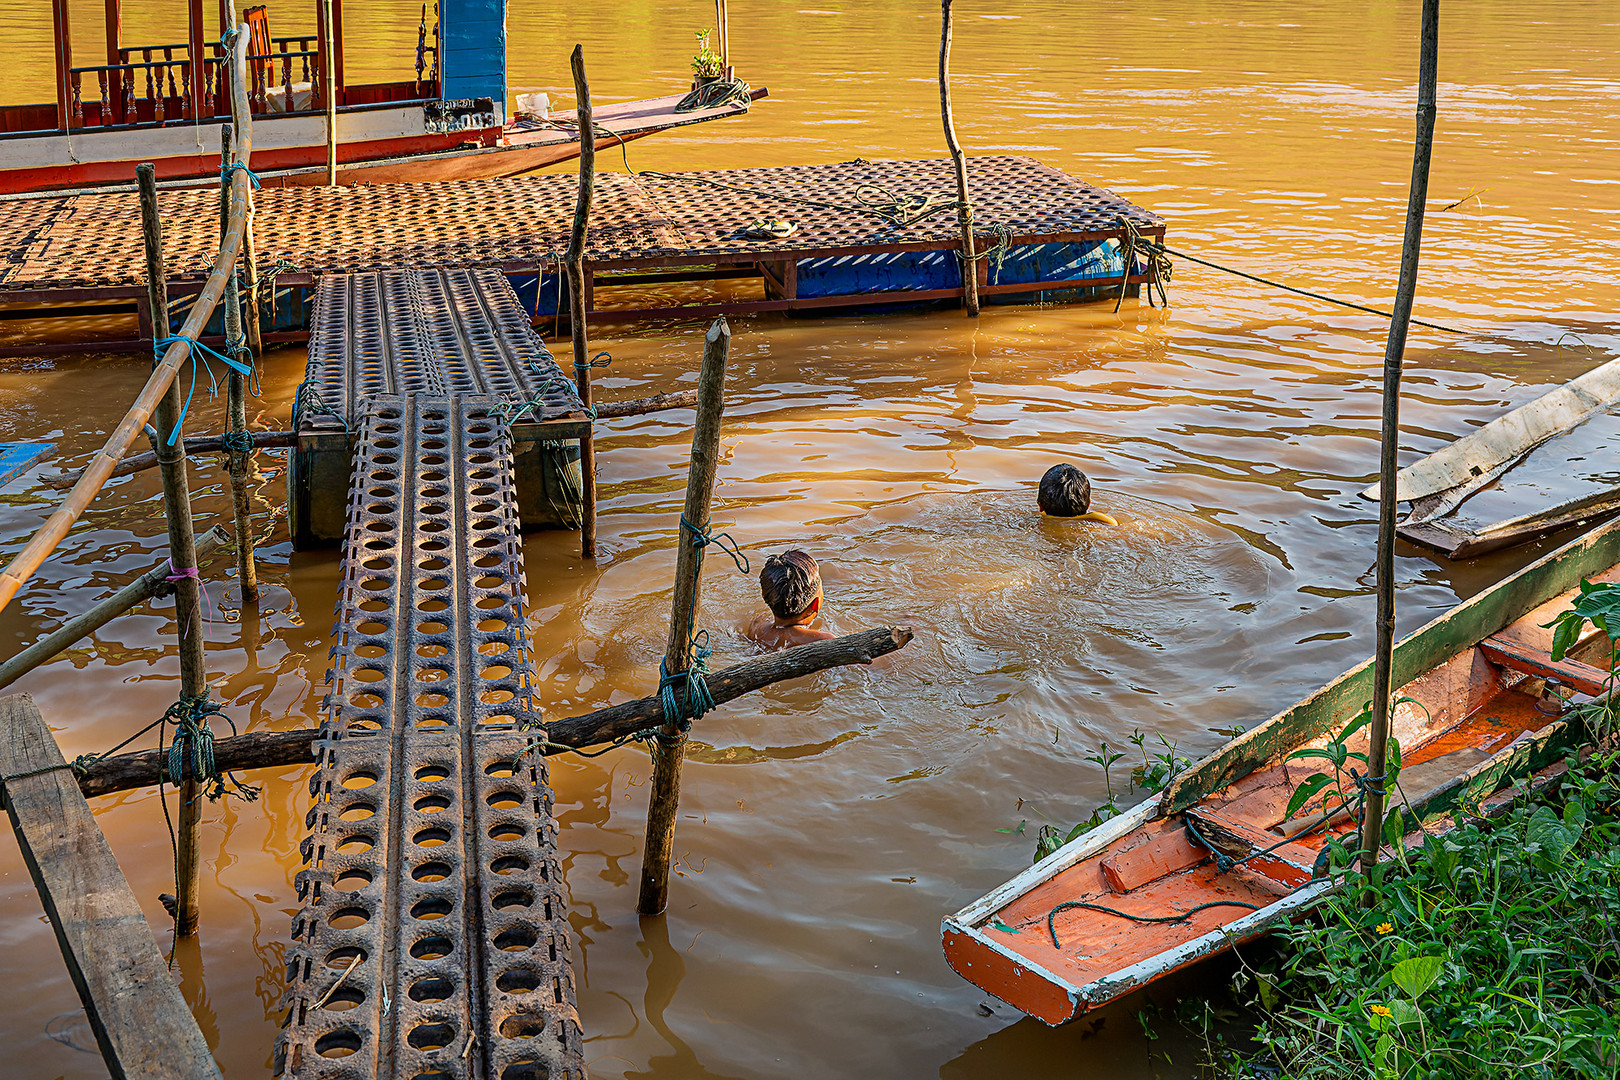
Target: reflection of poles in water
[
  {"x": 666, "y": 970},
  {"x": 187, "y": 957}
]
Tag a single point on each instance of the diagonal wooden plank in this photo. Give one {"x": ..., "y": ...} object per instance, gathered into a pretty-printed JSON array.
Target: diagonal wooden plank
[{"x": 142, "y": 1024}]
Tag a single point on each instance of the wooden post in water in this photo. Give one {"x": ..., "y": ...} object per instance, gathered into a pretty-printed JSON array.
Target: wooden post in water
[
  {"x": 1372, "y": 821},
  {"x": 964, "y": 211},
  {"x": 188, "y": 613},
  {"x": 575, "y": 259},
  {"x": 329, "y": 84},
  {"x": 236, "y": 400},
  {"x": 670, "y": 743}
]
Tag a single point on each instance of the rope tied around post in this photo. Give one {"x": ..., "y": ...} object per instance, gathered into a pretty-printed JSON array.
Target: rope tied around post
[
  {"x": 199, "y": 355},
  {"x": 237, "y": 442},
  {"x": 601, "y": 359},
  {"x": 1159, "y": 267},
  {"x": 191, "y": 751},
  {"x": 698, "y": 700},
  {"x": 307, "y": 399},
  {"x": 237, "y": 166}
]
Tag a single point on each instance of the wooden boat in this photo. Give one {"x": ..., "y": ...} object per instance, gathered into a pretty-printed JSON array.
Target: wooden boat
[
  {"x": 164, "y": 103},
  {"x": 1210, "y": 862},
  {"x": 1498, "y": 464}
]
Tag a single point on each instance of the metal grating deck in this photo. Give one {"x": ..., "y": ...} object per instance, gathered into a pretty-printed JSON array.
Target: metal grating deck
[
  {"x": 424, "y": 331},
  {"x": 432, "y": 940}
]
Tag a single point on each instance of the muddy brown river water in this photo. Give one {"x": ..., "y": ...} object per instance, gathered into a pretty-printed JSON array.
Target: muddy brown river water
[{"x": 827, "y": 825}]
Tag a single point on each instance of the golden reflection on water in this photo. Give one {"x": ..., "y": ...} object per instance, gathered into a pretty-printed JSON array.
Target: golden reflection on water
[{"x": 828, "y": 824}]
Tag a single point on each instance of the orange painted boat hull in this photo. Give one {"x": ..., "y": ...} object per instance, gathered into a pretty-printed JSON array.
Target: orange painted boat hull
[{"x": 1215, "y": 860}]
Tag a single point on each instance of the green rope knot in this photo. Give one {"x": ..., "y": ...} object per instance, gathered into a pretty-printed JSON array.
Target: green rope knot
[
  {"x": 1159, "y": 267},
  {"x": 702, "y": 537},
  {"x": 698, "y": 699},
  {"x": 306, "y": 399},
  {"x": 237, "y": 442},
  {"x": 191, "y": 751}
]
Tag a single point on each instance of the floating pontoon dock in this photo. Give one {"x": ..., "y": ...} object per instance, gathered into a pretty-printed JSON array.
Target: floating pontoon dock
[{"x": 863, "y": 234}]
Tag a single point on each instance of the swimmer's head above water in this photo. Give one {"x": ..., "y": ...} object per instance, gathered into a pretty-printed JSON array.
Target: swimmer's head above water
[{"x": 1066, "y": 493}]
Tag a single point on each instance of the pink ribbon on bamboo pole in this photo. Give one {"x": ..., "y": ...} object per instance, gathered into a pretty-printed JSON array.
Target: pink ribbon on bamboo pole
[{"x": 180, "y": 574}]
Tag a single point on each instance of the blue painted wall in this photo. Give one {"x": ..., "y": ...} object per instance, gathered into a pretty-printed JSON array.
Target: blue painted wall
[{"x": 472, "y": 37}]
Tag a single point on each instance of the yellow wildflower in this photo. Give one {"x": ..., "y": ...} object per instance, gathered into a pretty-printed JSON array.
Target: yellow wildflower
[
  {"x": 1385, "y": 928},
  {"x": 1379, "y": 1010}
]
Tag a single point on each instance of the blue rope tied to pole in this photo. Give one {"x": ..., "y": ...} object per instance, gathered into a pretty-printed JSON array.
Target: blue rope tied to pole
[
  {"x": 698, "y": 699},
  {"x": 191, "y": 751},
  {"x": 237, "y": 166},
  {"x": 601, "y": 359},
  {"x": 199, "y": 354}
]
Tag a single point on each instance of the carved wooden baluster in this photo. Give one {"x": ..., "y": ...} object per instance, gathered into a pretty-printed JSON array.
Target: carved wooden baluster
[
  {"x": 151, "y": 92},
  {"x": 185, "y": 90},
  {"x": 286, "y": 79},
  {"x": 78, "y": 106},
  {"x": 128, "y": 76},
  {"x": 303, "y": 52},
  {"x": 168, "y": 58},
  {"x": 106, "y": 102}
]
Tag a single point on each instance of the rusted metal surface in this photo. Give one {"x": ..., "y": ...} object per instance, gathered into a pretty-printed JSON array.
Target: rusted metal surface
[
  {"x": 432, "y": 940},
  {"x": 641, "y": 220},
  {"x": 424, "y": 331}
]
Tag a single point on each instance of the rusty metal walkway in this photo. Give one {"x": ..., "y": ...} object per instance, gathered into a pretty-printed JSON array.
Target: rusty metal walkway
[
  {"x": 432, "y": 940},
  {"x": 427, "y": 331}
]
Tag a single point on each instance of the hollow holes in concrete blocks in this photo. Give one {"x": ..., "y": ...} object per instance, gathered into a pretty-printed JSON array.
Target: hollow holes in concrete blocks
[
  {"x": 505, "y": 799},
  {"x": 356, "y": 844},
  {"x": 341, "y": 958},
  {"x": 432, "y": 947},
  {"x": 517, "y": 981},
  {"x": 522, "y": 1026},
  {"x": 338, "y": 1044},
  {"x": 352, "y": 880},
  {"x": 344, "y": 998},
  {"x": 432, "y": 836},
  {"x": 430, "y": 626},
  {"x": 507, "y": 865},
  {"x": 430, "y": 908},
  {"x": 359, "y": 779},
  {"x": 359, "y": 811},
  {"x": 431, "y": 989},
  {"x": 349, "y": 918},
  {"x": 507, "y": 831},
  {"x": 430, "y": 872},
  {"x": 431, "y": 804}
]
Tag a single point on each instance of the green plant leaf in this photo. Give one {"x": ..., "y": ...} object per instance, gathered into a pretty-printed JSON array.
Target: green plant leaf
[
  {"x": 1394, "y": 826},
  {"x": 1554, "y": 837},
  {"x": 1416, "y": 974},
  {"x": 1309, "y": 752},
  {"x": 1302, "y": 794},
  {"x": 1403, "y": 1012},
  {"x": 1568, "y": 633},
  {"x": 1357, "y": 724}
]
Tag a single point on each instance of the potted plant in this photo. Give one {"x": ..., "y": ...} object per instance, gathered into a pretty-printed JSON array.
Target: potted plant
[{"x": 707, "y": 67}]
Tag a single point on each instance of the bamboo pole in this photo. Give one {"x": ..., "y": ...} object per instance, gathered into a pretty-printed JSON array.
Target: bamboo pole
[
  {"x": 575, "y": 258},
  {"x": 154, "y": 582},
  {"x": 329, "y": 83},
  {"x": 171, "y": 451},
  {"x": 277, "y": 749},
  {"x": 1372, "y": 822},
  {"x": 236, "y": 399},
  {"x": 45, "y": 539},
  {"x": 964, "y": 210},
  {"x": 670, "y": 742}
]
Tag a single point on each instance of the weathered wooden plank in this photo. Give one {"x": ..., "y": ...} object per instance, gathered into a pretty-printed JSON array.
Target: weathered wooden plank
[
  {"x": 1505, "y": 652},
  {"x": 141, "y": 1022},
  {"x": 1342, "y": 699},
  {"x": 1456, "y": 542},
  {"x": 1473, "y": 460}
]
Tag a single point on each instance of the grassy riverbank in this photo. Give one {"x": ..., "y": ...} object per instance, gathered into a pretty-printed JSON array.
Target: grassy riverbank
[{"x": 1494, "y": 951}]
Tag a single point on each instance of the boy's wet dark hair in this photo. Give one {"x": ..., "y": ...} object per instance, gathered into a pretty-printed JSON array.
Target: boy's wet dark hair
[
  {"x": 1065, "y": 491},
  {"x": 790, "y": 583}
]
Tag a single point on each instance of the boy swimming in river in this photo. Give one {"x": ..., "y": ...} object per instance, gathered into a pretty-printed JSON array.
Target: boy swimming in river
[
  {"x": 791, "y": 586},
  {"x": 1066, "y": 493}
]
